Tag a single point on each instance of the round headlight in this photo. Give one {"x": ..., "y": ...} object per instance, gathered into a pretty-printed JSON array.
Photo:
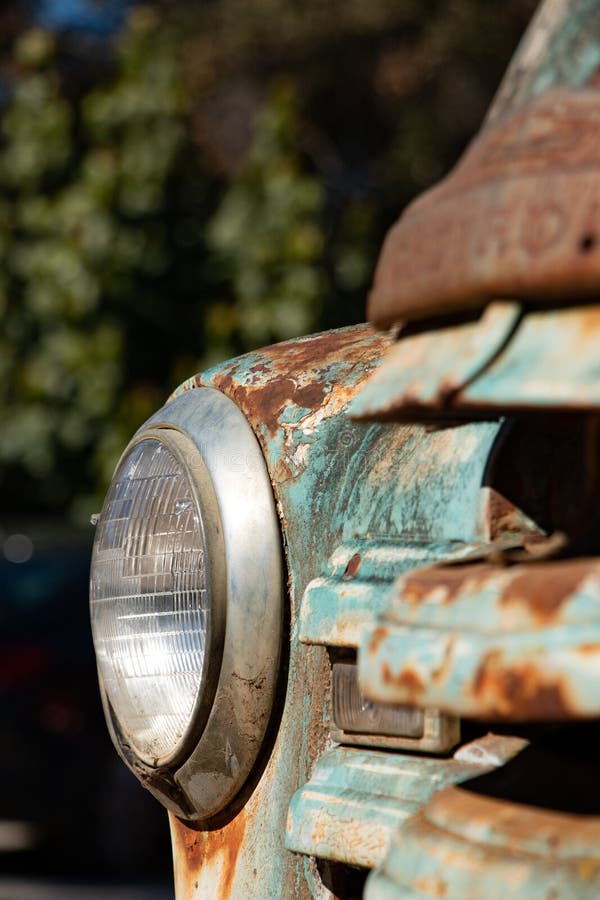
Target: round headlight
[
  {"x": 187, "y": 603},
  {"x": 150, "y": 596}
]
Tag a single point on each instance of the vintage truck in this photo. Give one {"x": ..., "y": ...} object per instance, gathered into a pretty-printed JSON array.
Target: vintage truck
[{"x": 345, "y": 590}]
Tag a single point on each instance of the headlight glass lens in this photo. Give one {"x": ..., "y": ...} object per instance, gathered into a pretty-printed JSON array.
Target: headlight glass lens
[{"x": 150, "y": 603}]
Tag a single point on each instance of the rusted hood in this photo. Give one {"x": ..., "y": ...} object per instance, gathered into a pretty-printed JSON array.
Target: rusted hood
[{"x": 519, "y": 217}]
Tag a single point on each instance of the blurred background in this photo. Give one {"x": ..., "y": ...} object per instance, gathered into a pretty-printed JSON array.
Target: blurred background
[{"x": 179, "y": 182}]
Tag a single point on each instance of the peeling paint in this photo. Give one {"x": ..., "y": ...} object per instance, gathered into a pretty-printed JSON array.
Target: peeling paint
[
  {"x": 474, "y": 846},
  {"x": 513, "y": 643}
]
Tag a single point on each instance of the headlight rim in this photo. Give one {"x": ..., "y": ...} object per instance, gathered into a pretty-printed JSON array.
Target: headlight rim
[{"x": 208, "y": 780}]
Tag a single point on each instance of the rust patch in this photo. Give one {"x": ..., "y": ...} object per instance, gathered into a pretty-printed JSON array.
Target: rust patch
[
  {"x": 265, "y": 402},
  {"x": 198, "y": 850},
  {"x": 433, "y": 887},
  {"x": 545, "y": 589},
  {"x": 588, "y": 319},
  {"x": 419, "y": 586},
  {"x": 282, "y": 471},
  {"x": 352, "y": 566},
  {"x": 311, "y": 395},
  {"x": 186, "y": 841},
  {"x": 503, "y": 516},
  {"x": 519, "y": 692},
  {"x": 301, "y": 372},
  {"x": 407, "y": 679},
  {"x": 225, "y": 383},
  {"x": 440, "y": 673},
  {"x": 518, "y": 217},
  {"x": 304, "y": 354},
  {"x": 377, "y": 637}
]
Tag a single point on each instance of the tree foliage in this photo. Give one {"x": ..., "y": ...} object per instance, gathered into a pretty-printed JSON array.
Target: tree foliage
[{"x": 89, "y": 191}]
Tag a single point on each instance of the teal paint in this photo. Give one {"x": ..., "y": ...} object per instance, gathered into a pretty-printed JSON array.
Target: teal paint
[
  {"x": 542, "y": 359},
  {"x": 422, "y": 372},
  {"x": 355, "y": 799},
  {"x": 338, "y": 483},
  {"x": 561, "y": 48},
  {"x": 551, "y": 363},
  {"x": 462, "y": 847},
  {"x": 342, "y": 604},
  {"x": 520, "y": 643}
]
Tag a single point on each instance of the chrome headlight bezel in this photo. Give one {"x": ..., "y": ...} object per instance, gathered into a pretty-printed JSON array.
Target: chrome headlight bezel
[{"x": 216, "y": 444}]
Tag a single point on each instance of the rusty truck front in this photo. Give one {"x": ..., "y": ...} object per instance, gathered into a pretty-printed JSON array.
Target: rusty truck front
[{"x": 345, "y": 590}]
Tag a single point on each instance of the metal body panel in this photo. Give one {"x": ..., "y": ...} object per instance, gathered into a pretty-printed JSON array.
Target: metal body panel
[
  {"x": 561, "y": 47},
  {"x": 355, "y": 799},
  {"x": 334, "y": 480},
  {"x": 526, "y": 360},
  {"x": 339, "y": 606},
  {"x": 462, "y": 846},
  {"x": 517, "y": 643},
  {"x": 426, "y": 370},
  {"x": 551, "y": 362},
  {"x": 294, "y": 395},
  {"x": 517, "y": 218}
]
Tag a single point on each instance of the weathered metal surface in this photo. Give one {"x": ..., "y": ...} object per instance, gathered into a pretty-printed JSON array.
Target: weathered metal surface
[
  {"x": 340, "y": 605},
  {"x": 294, "y": 396},
  {"x": 356, "y": 798},
  {"x": 517, "y": 218},
  {"x": 464, "y": 846},
  {"x": 243, "y": 854},
  {"x": 560, "y": 47},
  {"x": 425, "y": 370},
  {"x": 516, "y": 643},
  {"x": 540, "y": 491},
  {"x": 551, "y": 362},
  {"x": 337, "y": 484},
  {"x": 289, "y": 390},
  {"x": 203, "y": 858},
  {"x": 343, "y": 479}
]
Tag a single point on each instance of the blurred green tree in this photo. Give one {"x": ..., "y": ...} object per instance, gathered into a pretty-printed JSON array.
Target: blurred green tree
[
  {"x": 227, "y": 185},
  {"x": 268, "y": 234},
  {"x": 100, "y": 202}
]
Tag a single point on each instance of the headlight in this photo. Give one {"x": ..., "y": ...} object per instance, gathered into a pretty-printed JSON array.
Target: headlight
[
  {"x": 186, "y": 601},
  {"x": 151, "y": 596}
]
